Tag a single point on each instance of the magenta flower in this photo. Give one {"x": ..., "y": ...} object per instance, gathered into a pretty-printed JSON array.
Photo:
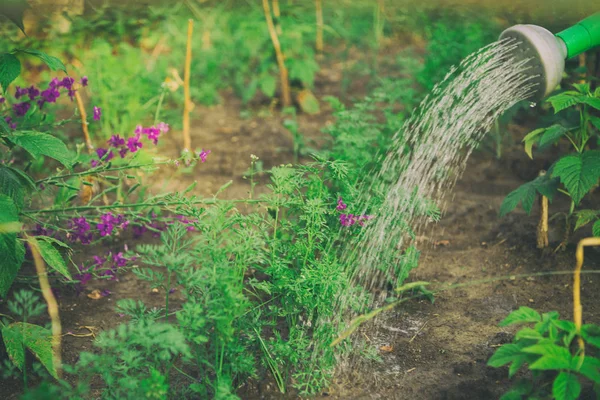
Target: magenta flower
[
  {"x": 67, "y": 82},
  {"x": 21, "y": 108},
  {"x": 351, "y": 219},
  {"x": 104, "y": 154},
  {"x": 116, "y": 141},
  {"x": 97, "y": 113},
  {"x": 133, "y": 143},
  {"x": 123, "y": 151},
  {"x": 33, "y": 92},
  {"x": 203, "y": 154},
  {"x": 84, "y": 81},
  {"x": 119, "y": 260},
  {"x": 163, "y": 127},
  {"x": 19, "y": 91},
  {"x": 341, "y": 206},
  {"x": 106, "y": 225}
]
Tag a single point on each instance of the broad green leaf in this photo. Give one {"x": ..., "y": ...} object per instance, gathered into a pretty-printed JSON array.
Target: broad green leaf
[
  {"x": 530, "y": 139},
  {"x": 10, "y": 68},
  {"x": 553, "y": 357},
  {"x": 528, "y": 333},
  {"x": 11, "y": 186},
  {"x": 517, "y": 363},
  {"x": 13, "y": 10},
  {"x": 308, "y": 102},
  {"x": 524, "y": 194},
  {"x": 38, "y": 144},
  {"x": 267, "y": 85},
  {"x": 584, "y": 217},
  {"x": 579, "y": 173},
  {"x": 53, "y": 257},
  {"x": 566, "y": 387},
  {"x": 505, "y": 354},
  {"x": 521, "y": 316},
  {"x": 36, "y": 338},
  {"x": 590, "y": 368},
  {"x": 591, "y": 335},
  {"x": 565, "y": 100},
  {"x": 14, "y": 346},
  {"x": 551, "y": 135},
  {"x": 595, "y": 120},
  {"x": 566, "y": 326},
  {"x": 12, "y": 250},
  {"x": 52, "y": 62},
  {"x": 583, "y": 88},
  {"x": 546, "y": 186},
  {"x": 596, "y": 228},
  {"x": 592, "y": 102}
]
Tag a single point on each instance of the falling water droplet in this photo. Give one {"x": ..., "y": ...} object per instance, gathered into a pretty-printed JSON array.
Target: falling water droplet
[{"x": 532, "y": 104}]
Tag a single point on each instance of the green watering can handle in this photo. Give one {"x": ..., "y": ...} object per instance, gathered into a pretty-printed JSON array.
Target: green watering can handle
[{"x": 583, "y": 36}]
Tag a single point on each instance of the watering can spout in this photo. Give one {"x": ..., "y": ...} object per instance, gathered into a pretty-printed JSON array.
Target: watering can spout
[{"x": 547, "y": 52}]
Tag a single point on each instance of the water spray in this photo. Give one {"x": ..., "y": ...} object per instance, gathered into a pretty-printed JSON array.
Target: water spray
[{"x": 547, "y": 52}]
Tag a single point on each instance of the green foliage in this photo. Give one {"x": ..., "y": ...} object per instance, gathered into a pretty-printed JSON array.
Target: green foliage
[
  {"x": 545, "y": 348},
  {"x": 51, "y": 255},
  {"x": 42, "y": 144},
  {"x": 11, "y": 247},
  {"x": 10, "y": 69},
  {"x": 38, "y": 340},
  {"x": 578, "y": 173},
  {"x": 527, "y": 193}
]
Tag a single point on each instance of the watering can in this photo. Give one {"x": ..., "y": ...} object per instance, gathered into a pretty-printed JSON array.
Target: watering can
[{"x": 548, "y": 52}]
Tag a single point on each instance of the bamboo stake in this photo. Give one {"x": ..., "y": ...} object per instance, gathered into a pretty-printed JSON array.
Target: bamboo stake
[
  {"x": 319, "y": 17},
  {"x": 42, "y": 274},
  {"x": 84, "y": 123},
  {"x": 187, "y": 141},
  {"x": 577, "y": 307},
  {"x": 285, "y": 85}
]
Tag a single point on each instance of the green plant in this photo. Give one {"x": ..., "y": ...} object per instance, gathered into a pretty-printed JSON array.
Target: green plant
[
  {"x": 545, "y": 348},
  {"x": 578, "y": 172}
]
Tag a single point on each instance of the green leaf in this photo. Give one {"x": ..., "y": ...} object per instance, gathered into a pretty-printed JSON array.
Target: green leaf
[
  {"x": 566, "y": 387},
  {"x": 11, "y": 186},
  {"x": 38, "y": 144},
  {"x": 583, "y": 88},
  {"x": 524, "y": 194},
  {"x": 267, "y": 85},
  {"x": 546, "y": 186},
  {"x": 565, "y": 100},
  {"x": 52, "y": 256},
  {"x": 13, "y": 10},
  {"x": 512, "y": 395},
  {"x": 505, "y": 354},
  {"x": 528, "y": 333},
  {"x": 36, "y": 338},
  {"x": 521, "y": 316},
  {"x": 566, "y": 326},
  {"x": 592, "y": 102},
  {"x": 10, "y": 68},
  {"x": 530, "y": 139},
  {"x": 517, "y": 363},
  {"x": 52, "y": 62},
  {"x": 579, "y": 173},
  {"x": 308, "y": 102},
  {"x": 590, "y": 368},
  {"x": 595, "y": 120},
  {"x": 591, "y": 335},
  {"x": 584, "y": 217},
  {"x": 12, "y": 250},
  {"x": 553, "y": 357},
  {"x": 596, "y": 228},
  {"x": 552, "y": 134}
]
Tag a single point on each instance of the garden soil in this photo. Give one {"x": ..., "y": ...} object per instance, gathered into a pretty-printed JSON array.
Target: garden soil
[{"x": 426, "y": 351}]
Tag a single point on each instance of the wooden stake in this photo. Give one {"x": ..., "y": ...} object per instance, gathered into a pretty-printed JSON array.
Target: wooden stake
[
  {"x": 277, "y": 16},
  {"x": 285, "y": 85},
  {"x": 84, "y": 124},
  {"x": 42, "y": 274},
  {"x": 542, "y": 230},
  {"x": 187, "y": 141},
  {"x": 577, "y": 307},
  {"x": 319, "y": 17}
]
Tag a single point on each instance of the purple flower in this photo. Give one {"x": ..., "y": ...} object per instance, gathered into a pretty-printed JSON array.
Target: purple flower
[
  {"x": 67, "y": 82},
  {"x": 139, "y": 230},
  {"x": 80, "y": 228},
  {"x": 203, "y": 154},
  {"x": 119, "y": 260},
  {"x": 84, "y": 81},
  {"x": 21, "y": 108},
  {"x": 105, "y": 292},
  {"x": 133, "y": 143},
  {"x": 104, "y": 154},
  {"x": 33, "y": 92},
  {"x": 172, "y": 291},
  {"x": 99, "y": 261},
  {"x": 116, "y": 141},
  {"x": 54, "y": 83},
  {"x": 71, "y": 94},
  {"x": 49, "y": 96},
  {"x": 2, "y": 100},
  {"x": 351, "y": 219},
  {"x": 163, "y": 127},
  {"x": 341, "y": 206},
  {"x": 153, "y": 133},
  {"x": 19, "y": 91},
  {"x": 97, "y": 113},
  {"x": 106, "y": 225},
  {"x": 95, "y": 163},
  {"x": 123, "y": 151}
]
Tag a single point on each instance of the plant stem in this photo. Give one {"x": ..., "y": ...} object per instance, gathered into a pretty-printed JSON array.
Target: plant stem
[
  {"x": 96, "y": 171},
  {"x": 187, "y": 141},
  {"x": 159, "y": 106},
  {"x": 577, "y": 307},
  {"x": 319, "y": 21},
  {"x": 84, "y": 123},
  {"x": 167, "y": 296}
]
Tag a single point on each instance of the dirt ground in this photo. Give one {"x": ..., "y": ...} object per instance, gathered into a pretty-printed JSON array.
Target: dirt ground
[{"x": 429, "y": 351}]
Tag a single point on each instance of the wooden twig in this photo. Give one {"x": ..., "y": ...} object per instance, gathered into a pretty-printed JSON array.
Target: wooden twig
[
  {"x": 84, "y": 123},
  {"x": 277, "y": 16},
  {"x": 577, "y": 307},
  {"x": 187, "y": 141},
  {"x": 42, "y": 274},
  {"x": 319, "y": 18},
  {"x": 285, "y": 85}
]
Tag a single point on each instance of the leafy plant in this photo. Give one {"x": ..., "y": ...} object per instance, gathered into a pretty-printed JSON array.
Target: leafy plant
[{"x": 544, "y": 348}]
